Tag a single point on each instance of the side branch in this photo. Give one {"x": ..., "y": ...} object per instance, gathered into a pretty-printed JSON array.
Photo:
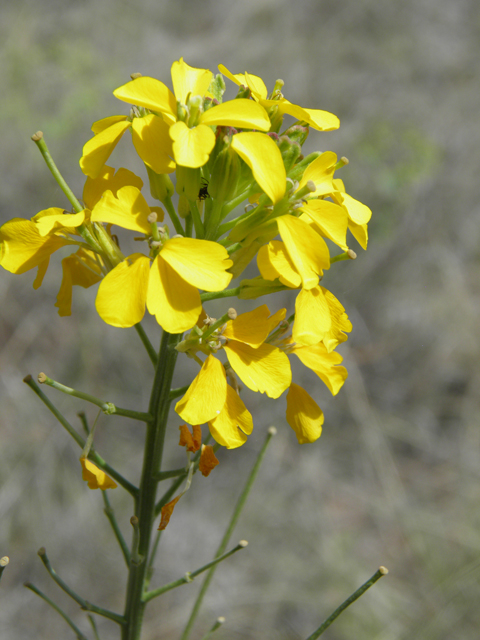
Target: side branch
[
  {"x": 188, "y": 577},
  {"x": 107, "y": 407},
  {"x": 382, "y": 571},
  {"x": 93, "y": 455},
  {"x": 87, "y": 606}
]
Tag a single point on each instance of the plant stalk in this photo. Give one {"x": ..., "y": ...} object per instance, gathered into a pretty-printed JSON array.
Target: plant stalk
[{"x": 145, "y": 505}]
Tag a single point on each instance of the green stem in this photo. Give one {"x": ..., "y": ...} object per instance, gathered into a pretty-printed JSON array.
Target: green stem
[
  {"x": 382, "y": 571},
  {"x": 83, "y": 229},
  {"x": 214, "y": 295},
  {"x": 175, "y": 485},
  {"x": 151, "y": 560},
  {"x": 107, "y": 407},
  {"x": 42, "y": 146},
  {"x": 146, "y": 343},
  {"x": 174, "y": 473},
  {"x": 86, "y": 606},
  {"x": 226, "y": 537},
  {"x": 188, "y": 577},
  {"x": 197, "y": 220},
  {"x": 93, "y": 455},
  {"x": 94, "y": 626},
  {"x": 110, "y": 513},
  {"x": 145, "y": 506},
  {"x": 71, "y": 624},
  {"x": 173, "y": 215}
]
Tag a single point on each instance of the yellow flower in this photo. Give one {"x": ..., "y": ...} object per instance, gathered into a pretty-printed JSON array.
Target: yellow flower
[
  {"x": 169, "y": 286},
  {"x": 316, "y": 118},
  {"x": 261, "y": 367},
  {"x": 303, "y": 414},
  {"x": 321, "y": 172},
  {"x": 27, "y": 244}
]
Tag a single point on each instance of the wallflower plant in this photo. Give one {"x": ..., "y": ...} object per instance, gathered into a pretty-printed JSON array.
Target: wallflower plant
[{"x": 242, "y": 192}]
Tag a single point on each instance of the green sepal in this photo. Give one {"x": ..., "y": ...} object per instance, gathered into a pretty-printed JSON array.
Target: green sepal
[
  {"x": 290, "y": 151},
  {"x": 256, "y": 287},
  {"x": 161, "y": 187},
  {"x": 225, "y": 175},
  {"x": 188, "y": 182}
]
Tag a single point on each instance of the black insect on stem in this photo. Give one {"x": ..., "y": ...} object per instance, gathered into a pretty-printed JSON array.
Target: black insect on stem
[{"x": 203, "y": 193}]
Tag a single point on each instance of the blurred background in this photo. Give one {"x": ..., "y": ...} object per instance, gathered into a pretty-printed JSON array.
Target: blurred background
[{"x": 395, "y": 477}]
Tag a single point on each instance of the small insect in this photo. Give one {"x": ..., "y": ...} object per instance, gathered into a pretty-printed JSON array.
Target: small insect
[{"x": 203, "y": 193}]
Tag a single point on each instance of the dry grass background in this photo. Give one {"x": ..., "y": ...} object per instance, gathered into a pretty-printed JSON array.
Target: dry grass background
[{"x": 395, "y": 478}]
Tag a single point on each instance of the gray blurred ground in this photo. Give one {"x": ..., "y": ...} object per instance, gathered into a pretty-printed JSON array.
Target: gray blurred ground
[{"x": 395, "y": 478}]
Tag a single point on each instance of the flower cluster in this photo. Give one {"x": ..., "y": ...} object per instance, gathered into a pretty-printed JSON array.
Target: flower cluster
[{"x": 223, "y": 154}]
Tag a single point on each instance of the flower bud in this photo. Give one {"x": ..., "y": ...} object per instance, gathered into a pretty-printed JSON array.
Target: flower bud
[
  {"x": 290, "y": 151},
  {"x": 298, "y": 133},
  {"x": 161, "y": 187}
]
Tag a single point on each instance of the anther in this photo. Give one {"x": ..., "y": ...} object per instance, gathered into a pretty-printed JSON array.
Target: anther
[
  {"x": 232, "y": 314},
  {"x": 351, "y": 254},
  {"x": 135, "y": 75},
  {"x": 152, "y": 218},
  {"x": 37, "y": 136},
  {"x": 41, "y": 378}
]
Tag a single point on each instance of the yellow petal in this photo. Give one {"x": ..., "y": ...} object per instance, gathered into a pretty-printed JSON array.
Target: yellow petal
[
  {"x": 358, "y": 212},
  {"x": 128, "y": 209},
  {"x": 241, "y": 113},
  {"x": 321, "y": 171},
  {"x": 23, "y": 248},
  {"x": 95, "y": 187},
  {"x": 303, "y": 415},
  {"x": 98, "y": 149},
  {"x": 322, "y": 120},
  {"x": 41, "y": 271},
  {"x": 105, "y": 123},
  {"x": 274, "y": 262},
  {"x": 330, "y": 218},
  {"x": 151, "y": 94},
  {"x": 201, "y": 263},
  {"x": 263, "y": 157},
  {"x": 360, "y": 233},
  {"x": 254, "y": 83},
  {"x": 189, "y": 80},
  {"x": 208, "y": 460},
  {"x": 235, "y": 421},
  {"x": 191, "y": 147},
  {"x": 77, "y": 270},
  {"x": 312, "y": 316},
  {"x": 175, "y": 303},
  {"x": 207, "y": 394},
  {"x": 96, "y": 478},
  {"x": 253, "y": 327},
  {"x": 340, "y": 322},
  {"x": 153, "y": 144},
  {"x": 307, "y": 250},
  {"x": 122, "y": 293},
  {"x": 324, "y": 364},
  {"x": 53, "y": 219},
  {"x": 316, "y": 118},
  {"x": 265, "y": 369}
]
